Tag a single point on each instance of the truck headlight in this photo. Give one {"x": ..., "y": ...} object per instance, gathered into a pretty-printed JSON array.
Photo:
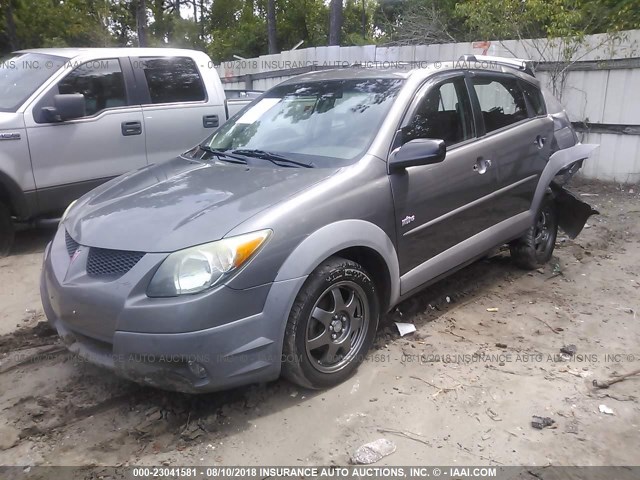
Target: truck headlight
[{"x": 198, "y": 268}]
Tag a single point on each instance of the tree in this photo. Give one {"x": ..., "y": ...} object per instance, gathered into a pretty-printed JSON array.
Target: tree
[
  {"x": 415, "y": 22},
  {"x": 550, "y": 31},
  {"x": 141, "y": 22},
  {"x": 272, "y": 33},
  {"x": 357, "y": 24},
  {"x": 11, "y": 26},
  {"x": 335, "y": 22}
]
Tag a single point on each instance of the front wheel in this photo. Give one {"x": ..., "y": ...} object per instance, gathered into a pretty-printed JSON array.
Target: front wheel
[
  {"x": 535, "y": 247},
  {"x": 6, "y": 230},
  {"x": 331, "y": 326}
]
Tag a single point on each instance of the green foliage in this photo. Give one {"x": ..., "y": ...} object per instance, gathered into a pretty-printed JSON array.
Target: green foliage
[
  {"x": 238, "y": 27},
  {"x": 243, "y": 33},
  {"x": 306, "y": 20},
  {"x": 418, "y": 21},
  {"x": 47, "y": 23},
  {"x": 508, "y": 19}
]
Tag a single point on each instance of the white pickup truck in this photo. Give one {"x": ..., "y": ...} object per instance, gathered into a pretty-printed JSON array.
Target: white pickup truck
[{"x": 72, "y": 118}]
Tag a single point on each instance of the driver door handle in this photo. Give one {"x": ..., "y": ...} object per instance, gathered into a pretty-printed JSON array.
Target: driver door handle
[
  {"x": 482, "y": 165},
  {"x": 131, "y": 128}
]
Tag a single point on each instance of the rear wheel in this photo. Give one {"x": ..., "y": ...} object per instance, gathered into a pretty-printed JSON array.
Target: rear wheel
[
  {"x": 535, "y": 247},
  {"x": 331, "y": 326},
  {"x": 7, "y": 232}
]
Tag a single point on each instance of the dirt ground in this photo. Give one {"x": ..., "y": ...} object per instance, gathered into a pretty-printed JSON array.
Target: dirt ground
[{"x": 462, "y": 390}]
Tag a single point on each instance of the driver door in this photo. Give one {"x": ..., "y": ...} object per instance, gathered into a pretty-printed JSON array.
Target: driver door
[
  {"x": 70, "y": 158},
  {"x": 438, "y": 206}
]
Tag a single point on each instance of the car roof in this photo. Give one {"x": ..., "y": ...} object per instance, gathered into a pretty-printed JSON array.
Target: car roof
[
  {"x": 112, "y": 52},
  {"x": 407, "y": 70}
]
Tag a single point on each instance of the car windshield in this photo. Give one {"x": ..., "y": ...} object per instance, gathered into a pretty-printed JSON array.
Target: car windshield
[
  {"x": 323, "y": 123},
  {"x": 21, "y": 74}
]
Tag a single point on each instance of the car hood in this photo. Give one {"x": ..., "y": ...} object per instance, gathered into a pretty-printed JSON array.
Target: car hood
[
  {"x": 9, "y": 120},
  {"x": 181, "y": 203}
]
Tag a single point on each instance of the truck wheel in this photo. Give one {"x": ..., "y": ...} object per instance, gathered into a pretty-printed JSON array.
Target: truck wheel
[
  {"x": 6, "y": 230},
  {"x": 331, "y": 326},
  {"x": 535, "y": 247}
]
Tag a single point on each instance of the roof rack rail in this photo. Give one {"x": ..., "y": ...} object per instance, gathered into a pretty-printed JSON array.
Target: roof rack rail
[{"x": 520, "y": 63}]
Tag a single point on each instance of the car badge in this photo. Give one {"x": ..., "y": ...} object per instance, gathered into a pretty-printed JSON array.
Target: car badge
[{"x": 407, "y": 220}]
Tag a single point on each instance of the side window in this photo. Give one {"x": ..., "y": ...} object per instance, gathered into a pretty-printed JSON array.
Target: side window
[
  {"x": 533, "y": 95},
  {"x": 501, "y": 101},
  {"x": 100, "y": 81},
  {"x": 444, "y": 113},
  {"x": 173, "y": 79}
]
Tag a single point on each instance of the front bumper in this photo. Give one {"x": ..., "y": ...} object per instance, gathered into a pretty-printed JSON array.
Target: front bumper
[{"x": 215, "y": 340}]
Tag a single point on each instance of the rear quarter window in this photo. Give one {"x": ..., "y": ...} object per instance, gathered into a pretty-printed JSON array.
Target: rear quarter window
[
  {"x": 501, "y": 101},
  {"x": 534, "y": 98}
]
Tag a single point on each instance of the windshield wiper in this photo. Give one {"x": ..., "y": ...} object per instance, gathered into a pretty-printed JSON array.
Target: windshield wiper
[
  {"x": 221, "y": 154},
  {"x": 272, "y": 157}
]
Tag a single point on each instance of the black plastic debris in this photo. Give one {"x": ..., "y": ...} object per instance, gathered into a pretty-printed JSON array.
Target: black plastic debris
[
  {"x": 569, "y": 350},
  {"x": 542, "y": 422}
]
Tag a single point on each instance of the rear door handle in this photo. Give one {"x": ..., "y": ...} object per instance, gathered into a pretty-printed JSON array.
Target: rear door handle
[
  {"x": 481, "y": 165},
  {"x": 131, "y": 128},
  {"x": 210, "y": 121},
  {"x": 540, "y": 141}
]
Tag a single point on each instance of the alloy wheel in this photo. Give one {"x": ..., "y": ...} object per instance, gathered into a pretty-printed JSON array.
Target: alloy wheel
[{"x": 337, "y": 326}]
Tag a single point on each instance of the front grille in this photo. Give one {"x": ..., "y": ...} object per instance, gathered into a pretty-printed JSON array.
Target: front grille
[
  {"x": 102, "y": 262},
  {"x": 72, "y": 245}
]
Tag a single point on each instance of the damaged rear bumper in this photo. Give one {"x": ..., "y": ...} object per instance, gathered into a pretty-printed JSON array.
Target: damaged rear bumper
[{"x": 573, "y": 213}]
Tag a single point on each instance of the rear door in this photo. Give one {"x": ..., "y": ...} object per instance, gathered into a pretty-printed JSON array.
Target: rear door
[
  {"x": 70, "y": 158},
  {"x": 177, "y": 108},
  {"x": 438, "y": 206},
  {"x": 514, "y": 120}
]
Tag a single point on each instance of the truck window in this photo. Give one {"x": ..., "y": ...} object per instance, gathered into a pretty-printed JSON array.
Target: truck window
[
  {"x": 100, "y": 81},
  {"x": 501, "y": 101},
  {"x": 173, "y": 79},
  {"x": 21, "y": 74},
  {"x": 444, "y": 114}
]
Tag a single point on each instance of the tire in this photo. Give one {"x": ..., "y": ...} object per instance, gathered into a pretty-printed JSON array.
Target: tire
[
  {"x": 331, "y": 326},
  {"x": 7, "y": 233},
  {"x": 535, "y": 247}
]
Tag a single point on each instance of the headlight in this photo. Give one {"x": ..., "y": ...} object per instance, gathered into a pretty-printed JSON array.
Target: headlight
[
  {"x": 195, "y": 269},
  {"x": 64, "y": 215}
]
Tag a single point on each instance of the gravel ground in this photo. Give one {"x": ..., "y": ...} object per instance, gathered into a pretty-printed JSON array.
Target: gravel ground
[{"x": 460, "y": 390}]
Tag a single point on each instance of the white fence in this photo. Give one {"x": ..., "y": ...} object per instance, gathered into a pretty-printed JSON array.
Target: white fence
[{"x": 601, "y": 91}]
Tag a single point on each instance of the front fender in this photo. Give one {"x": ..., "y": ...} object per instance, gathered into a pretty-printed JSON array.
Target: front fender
[{"x": 338, "y": 236}]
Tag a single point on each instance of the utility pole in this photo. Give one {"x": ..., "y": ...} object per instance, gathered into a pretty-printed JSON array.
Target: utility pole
[
  {"x": 141, "y": 22},
  {"x": 335, "y": 22},
  {"x": 272, "y": 33}
]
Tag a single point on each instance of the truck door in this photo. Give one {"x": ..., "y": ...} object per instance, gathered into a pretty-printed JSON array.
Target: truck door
[
  {"x": 179, "y": 110},
  {"x": 69, "y": 158}
]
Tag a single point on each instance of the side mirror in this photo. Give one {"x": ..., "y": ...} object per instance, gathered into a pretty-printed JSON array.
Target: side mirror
[
  {"x": 66, "y": 107},
  {"x": 421, "y": 151}
]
